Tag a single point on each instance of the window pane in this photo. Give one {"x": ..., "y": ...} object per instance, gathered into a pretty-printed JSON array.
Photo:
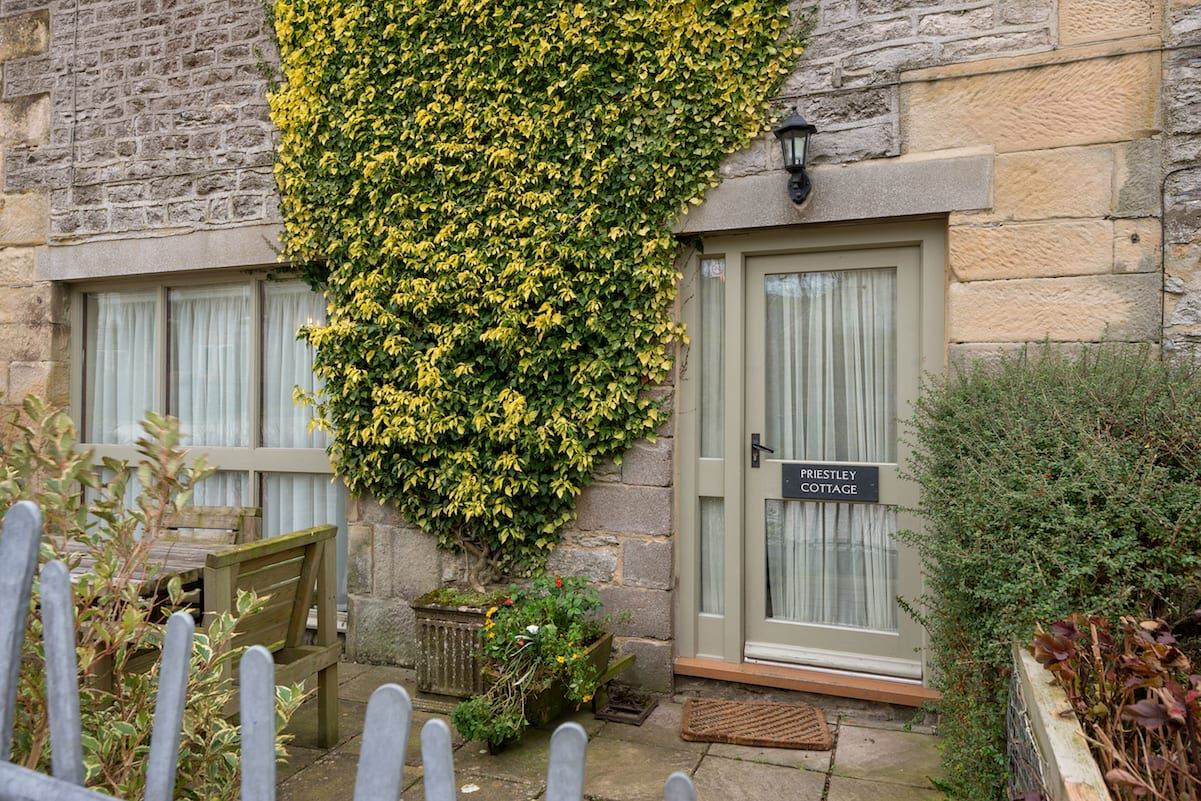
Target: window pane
[
  {"x": 223, "y": 488},
  {"x": 832, "y": 563},
  {"x": 295, "y": 501},
  {"x": 713, "y": 556},
  {"x": 119, "y": 364},
  {"x": 711, "y": 350},
  {"x": 831, "y": 365},
  {"x": 210, "y": 363},
  {"x": 287, "y": 363}
]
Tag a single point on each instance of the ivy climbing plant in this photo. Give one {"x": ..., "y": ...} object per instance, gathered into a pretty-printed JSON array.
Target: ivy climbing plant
[{"x": 485, "y": 189}]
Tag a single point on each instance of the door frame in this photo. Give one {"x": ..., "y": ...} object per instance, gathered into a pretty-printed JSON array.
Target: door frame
[{"x": 723, "y": 637}]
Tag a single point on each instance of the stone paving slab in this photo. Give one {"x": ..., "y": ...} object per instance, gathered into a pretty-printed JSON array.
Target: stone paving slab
[
  {"x": 784, "y": 757},
  {"x": 661, "y": 729},
  {"x": 303, "y": 725},
  {"x": 719, "y": 779},
  {"x": 618, "y": 770},
  {"x": 486, "y": 788},
  {"x": 846, "y": 789},
  {"x": 896, "y": 757},
  {"x": 524, "y": 761},
  {"x": 329, "y": 779},
  {"x": 361, "y": 686}
]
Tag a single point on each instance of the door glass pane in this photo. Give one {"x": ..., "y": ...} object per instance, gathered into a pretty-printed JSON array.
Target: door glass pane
[
  {"x": 210, "y": 363},
  {"x": 295, "y": 501},
  {"x": 832, "y": 563},
  {"x": 713, "y": 556},
  {"x": 711, "y": 347},
  {"x": 119, "y": 364},
  {"x": 287, "y": 363},
  {"x": 831, "y": 365}
]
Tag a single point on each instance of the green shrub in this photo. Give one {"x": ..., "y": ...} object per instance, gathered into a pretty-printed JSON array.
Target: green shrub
[
  {"x": 1051, "y": 484},
  {"x": 114, "y": 623}
]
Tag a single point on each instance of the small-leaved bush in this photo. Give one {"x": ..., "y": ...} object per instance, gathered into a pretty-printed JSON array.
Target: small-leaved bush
[
  {"x": 119, "y": 629},
  {"x": 1050, "y": 484},
  {"x": 536, "y": 639},
  {"x": 486, "y": 191}
]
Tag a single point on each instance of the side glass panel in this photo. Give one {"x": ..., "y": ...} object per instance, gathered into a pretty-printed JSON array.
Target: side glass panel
[
  {"x": 711, "y": 351},
  {"x": 208, "y": 390},
  {"x": 831, "y": 365},
  {"x": 119, "y": 364},
  {"x": 832, "y": 563},
  {"x": 295, "y": 501},
  {"x": 713, "y": 556},
  {"x": 288, "y": 363}
]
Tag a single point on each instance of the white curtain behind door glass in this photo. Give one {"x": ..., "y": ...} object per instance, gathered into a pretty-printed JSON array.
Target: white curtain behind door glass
[
  {"x": 833, "y": 563},
  {"x": 711, "y": 347},
  {"x": 831, "y": 396},
  {"x": 119, "y": 365},
  {"x": 210, "y": 363},
  {"x": 831, "y": 365},
  {"x": 287, "y": 363},
  {"x": 294, "y": 501},
  {"x": 713, "y": 556}
]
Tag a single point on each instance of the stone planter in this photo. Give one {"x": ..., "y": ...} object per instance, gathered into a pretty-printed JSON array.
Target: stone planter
[
  {"x": 1048, "y": 753},
  {"x": 448, "y": 653}
]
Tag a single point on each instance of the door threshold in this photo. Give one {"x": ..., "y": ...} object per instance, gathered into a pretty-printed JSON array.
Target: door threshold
[{"x": 809, "y": 680}]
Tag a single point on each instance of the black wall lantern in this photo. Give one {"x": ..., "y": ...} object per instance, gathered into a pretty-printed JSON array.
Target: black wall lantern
[{"x": 793, "y": 134}]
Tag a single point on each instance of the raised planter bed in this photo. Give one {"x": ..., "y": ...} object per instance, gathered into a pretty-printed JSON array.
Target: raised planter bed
[{"x": 1048, "y": 753}]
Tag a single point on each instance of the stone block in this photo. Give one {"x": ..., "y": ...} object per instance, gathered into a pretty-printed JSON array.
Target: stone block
[
  {"x": 619, "y": 507},
  {"x": 653, "y": 668},
  {"x": 649, "y": 611},
  {"x": 17, "y": 265},
  {"x": 381, "y": 631},
  {"x": 597, "y": 564},
  {"x": 648, "y": 464},
  {"x": 1137, "y": 245},
  {"x": 647, "y": 564},
  {"x": 37, "y": 342},
  {"x": 853, "y": 144},
  {"x": 1044, "y": 184},
  {"x": 995, "y": 44},
  {"x": 1031, "y": 250},
  {"x": 1136, "y": 179},
  {"x": 49, "y": 380},
  {"x": 359, "y": 563},
  {"x": 1024, "y": 12},
  {"x": 33, "y": 304},
  {"x": 1090, "y": 308},
  {"x": 24, "y": 219},
  {"x": 1074, "y": 103},
  {"x": 25, "y": 120},
  {"x": 24, "y": 35},
  {"x": 1083, "y": 21},
  {"x": 406, "y": 562},
  {"x": 955, "y": 23}
]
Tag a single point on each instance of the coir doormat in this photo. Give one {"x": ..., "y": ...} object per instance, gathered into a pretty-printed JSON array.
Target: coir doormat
[{"x": 758, "y": 723}]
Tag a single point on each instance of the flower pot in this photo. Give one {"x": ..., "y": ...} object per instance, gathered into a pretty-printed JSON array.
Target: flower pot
[
  {"x": 552, "y": 703},
  {"x": 448, "y": 652}
]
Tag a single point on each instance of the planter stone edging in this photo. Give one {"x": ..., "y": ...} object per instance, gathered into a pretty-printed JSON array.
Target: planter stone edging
[{"x": 1041, "y": 714}]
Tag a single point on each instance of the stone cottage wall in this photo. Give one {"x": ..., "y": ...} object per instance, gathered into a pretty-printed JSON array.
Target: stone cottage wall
[
  {"x": 33, "y": 336},
  {"x": 129, "y": 119}
]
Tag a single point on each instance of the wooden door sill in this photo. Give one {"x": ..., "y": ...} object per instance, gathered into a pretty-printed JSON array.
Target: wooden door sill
[{"x": 808, "y": 680}]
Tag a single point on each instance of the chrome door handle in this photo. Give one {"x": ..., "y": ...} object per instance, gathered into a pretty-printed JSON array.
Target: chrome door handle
[{"x": 757, "y": 448}]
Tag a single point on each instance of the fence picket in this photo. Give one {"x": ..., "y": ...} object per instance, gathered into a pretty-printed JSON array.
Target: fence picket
[
  {"x": 168, "y": 708},
  {"x": 62, "y": 673},
  {"x": 257, "y": 707},
  {"x": 385, "y": 735},
  {"x": 18, "y": 558},
  {"x": 679, "y": 787},
  {"x": 437, "y": 761},
  {"x": 565, "y": 773}
]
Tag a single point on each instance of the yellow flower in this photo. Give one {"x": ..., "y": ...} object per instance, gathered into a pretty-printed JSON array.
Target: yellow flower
[
  {"x": 587, "y": 698},
  {"x": 576, "y": 655},
  {"x": 492, "y": 635},
  {"x": 491, "y": 612},
  {"x": 561, "y": 659}
]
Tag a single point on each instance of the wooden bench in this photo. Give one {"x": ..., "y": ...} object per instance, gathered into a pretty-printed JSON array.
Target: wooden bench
[
  {"x": 291, "y": 572},
  {"x": 228, "y": 524}
]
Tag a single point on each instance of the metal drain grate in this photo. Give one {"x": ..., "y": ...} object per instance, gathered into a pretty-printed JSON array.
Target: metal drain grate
[{"x": 757, "y": 723}]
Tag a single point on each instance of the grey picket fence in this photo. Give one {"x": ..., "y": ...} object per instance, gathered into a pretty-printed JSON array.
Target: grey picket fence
[{"x": 385, "y": 730}]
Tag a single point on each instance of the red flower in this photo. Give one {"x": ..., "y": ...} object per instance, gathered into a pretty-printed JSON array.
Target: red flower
[
  {"x": 508, "y": 601},
  {"x": 558, "y": 582}
]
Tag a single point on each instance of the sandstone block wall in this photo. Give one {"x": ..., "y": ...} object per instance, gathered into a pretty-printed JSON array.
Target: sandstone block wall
[{"x": 33, "y": 335}]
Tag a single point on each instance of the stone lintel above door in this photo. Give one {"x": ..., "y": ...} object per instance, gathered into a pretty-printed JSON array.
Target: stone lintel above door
[{"x": 908, "y": 186}]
